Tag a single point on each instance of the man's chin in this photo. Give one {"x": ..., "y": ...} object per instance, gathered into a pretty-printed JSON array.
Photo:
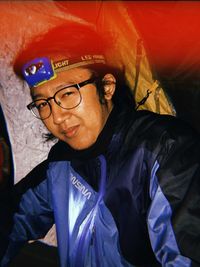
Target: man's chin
[{"x": 80, "y": 146}]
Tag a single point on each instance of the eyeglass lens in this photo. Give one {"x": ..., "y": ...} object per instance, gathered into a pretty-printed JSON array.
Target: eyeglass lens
[{"x": 66, "y": 98}]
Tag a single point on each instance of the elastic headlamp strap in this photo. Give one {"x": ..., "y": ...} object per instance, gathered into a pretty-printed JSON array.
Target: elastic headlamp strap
[
  {"x": 41, "y": 70},
  {"x": 67, "y": 64}
]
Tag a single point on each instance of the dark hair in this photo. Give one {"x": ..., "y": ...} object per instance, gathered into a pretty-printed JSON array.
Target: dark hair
[
  {"x": 69, "y": 39},
  {"x": 123, "y": 95}
]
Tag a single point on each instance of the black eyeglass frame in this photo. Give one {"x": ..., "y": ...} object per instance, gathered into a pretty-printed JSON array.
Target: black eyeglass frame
[{"x": 77, "y": 86}]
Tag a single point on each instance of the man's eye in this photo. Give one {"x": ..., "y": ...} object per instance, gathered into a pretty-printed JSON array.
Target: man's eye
[
  {"x": 41, "y": 105},
  {"x": 68, "y": 92}
]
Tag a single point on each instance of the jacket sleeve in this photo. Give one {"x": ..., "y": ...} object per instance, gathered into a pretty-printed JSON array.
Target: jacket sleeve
[
  {"x": 174, "y": 214},
  {"x": 31, "y": 220}
]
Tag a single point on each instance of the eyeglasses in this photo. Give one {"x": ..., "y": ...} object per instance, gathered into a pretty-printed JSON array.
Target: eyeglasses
[{"x": 68, "y": 97}]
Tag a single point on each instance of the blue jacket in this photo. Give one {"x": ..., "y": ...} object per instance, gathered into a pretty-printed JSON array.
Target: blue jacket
[{"x": 131, "y": 199}]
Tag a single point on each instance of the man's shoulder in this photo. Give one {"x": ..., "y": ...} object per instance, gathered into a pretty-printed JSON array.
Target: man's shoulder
[
  {"x": 146, "y": 127},
  {"x": 147, "y": 121}
]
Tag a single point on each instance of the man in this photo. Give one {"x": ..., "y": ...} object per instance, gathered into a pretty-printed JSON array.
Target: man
[{"x": 121, "y": 186}]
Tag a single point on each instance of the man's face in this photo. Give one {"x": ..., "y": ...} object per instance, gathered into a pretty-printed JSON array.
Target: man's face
[{"x": 79, "y": 127}]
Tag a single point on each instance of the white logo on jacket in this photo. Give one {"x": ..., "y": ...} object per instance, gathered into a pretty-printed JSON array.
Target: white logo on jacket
[{"x": 80, "y": 187}]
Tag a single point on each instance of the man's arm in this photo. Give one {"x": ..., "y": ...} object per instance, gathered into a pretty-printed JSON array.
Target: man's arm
[
  {"x": 174, "y": 215},
  {"x": 29, "y": 216}
]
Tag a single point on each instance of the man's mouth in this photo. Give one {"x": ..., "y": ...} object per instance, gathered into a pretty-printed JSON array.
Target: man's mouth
[{"x": 71, "y": 131}]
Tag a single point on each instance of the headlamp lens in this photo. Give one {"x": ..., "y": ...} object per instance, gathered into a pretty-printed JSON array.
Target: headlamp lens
[{"x": 37, "y": 71}]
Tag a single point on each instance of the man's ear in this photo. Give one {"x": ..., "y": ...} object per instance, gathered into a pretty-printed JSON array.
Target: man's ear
[{"x": 109, "y": 83}]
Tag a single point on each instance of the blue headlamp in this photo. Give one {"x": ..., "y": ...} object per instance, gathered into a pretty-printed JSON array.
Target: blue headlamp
[
  {"x": 38, "y": 71},
  {"x": 41, "y": 70}
]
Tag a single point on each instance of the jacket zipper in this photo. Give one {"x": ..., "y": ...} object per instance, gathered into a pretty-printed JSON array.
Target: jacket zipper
[{"x": 82, "y": 244}]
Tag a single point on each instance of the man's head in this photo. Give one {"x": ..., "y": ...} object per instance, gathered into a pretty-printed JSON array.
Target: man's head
[{"x": 72, "y": 86}]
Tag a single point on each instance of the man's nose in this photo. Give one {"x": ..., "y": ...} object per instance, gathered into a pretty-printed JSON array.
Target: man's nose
[{"x": 59, "y": 114}]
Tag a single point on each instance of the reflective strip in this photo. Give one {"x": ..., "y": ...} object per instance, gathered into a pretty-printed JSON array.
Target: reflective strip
[
  {"x": 161, "y": 233},
  {"x": 80, "y": 64}
]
